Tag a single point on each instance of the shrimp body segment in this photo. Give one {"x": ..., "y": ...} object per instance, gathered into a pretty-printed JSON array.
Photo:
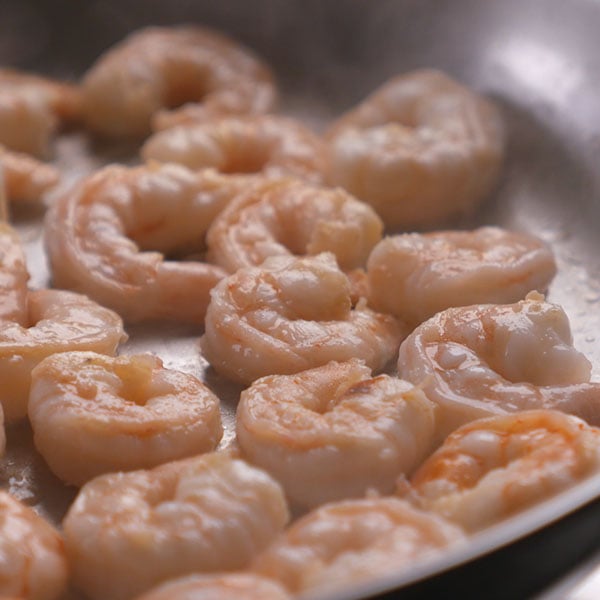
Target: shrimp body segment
[
  {"x": 93, "y": 414},
  {"x": 419, "y": 149},
  {"x": 13, "y": 277},
  {"x": 334, "y": 432},
  {"x": 289, "y": 315},
  {"x": 127, "y": 532}
]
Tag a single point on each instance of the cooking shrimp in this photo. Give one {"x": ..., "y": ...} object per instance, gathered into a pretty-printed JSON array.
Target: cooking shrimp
[
  {"x": 333, "y": 432},
  {"x": 98, "y": 236},
  {"x": 94, "y": 414},
  {"x": 13, "y": 277},
  {"x": 267, "y": 144},
  {"x": 127, "y": 532},
  {"x": 33, "y": 565},
  {"x": 289, "y": 315},
  {"x": 420, "y": 149},
  {"x": 413, "y": 276},
  {"x": 353, "y": 541},
  {"x": 494, "y": 467},
  {"x": 286, "y": 216},
  {"x": 161, "y": 68},
  {"x": 486, "y": 360}
]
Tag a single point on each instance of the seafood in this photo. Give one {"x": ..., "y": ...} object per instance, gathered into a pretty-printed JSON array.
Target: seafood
[
  {"x": 334, "y": 432},
  {"x": 292, "y": 314},
  {"x": 413, "y": 276},
  {"x": 494, "y": 467},
  {"x": 13, "y": 277},
  {"x": 419, "y": 149},
  {"x": 94, "y": 414},
  {"x": 163, "y": 68},
  {"x": 127, "y": 532}
]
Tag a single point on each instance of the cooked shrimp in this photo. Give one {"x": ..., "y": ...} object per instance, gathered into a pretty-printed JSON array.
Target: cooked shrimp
[
  {"x": 334, "y": 432},
  {"x": 353, "y": 541},
  {"x": 286, "y": 216},
  {"x": 93, "y": 414},
  {"x": 494, "y": 467},
  {"x": 161, "y": 68},
  {"x": 98, "y": 236},
  {"x": 486, "y": 360},
  {"x": 265, "y": 144},
  {"x": 13, "y": 277},
  {"x": 420, "y": 149},
  {"x": 127, "y": 532},
  {"x": 289, "y": 315},
  {"x": 33, "y": 564},
  {"x": 413, "y": 276}
]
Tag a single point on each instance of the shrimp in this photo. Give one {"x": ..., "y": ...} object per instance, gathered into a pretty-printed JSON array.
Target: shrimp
[
  {"x": 98, "y": 236},
  {"x": 333, "y": 432},
  {"x": 13, "y": 277},
  {"x": 267, "y": 144},
  {"x": 289, "y": 315},
  {"x": 33, "y": 565},
  {"x": 161, "y": 68},
  {"x": 353, "y": 541},
  {"x": 491, "y": 468},
  {"x": 486, "y": 360},
  {"x": 93, "y": 414},
  {"x": 285, "y": 216},
  {"x": 413, "y": 276},
  {"x": 127, "y": 532},
  {"x": 420, "y": 149}
]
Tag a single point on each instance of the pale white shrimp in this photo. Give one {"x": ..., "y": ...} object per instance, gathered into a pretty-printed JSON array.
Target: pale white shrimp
[
  {"x": 334, "y": 432},
  {"x": 292, "y": 314},
  {"x": 127, "y": 532},
  {"x": 33, "y": 564},
  {"x": 266, "y": 144},
  {"x": 413, "y": 276},
  {"x": 107, "y": 238},
  {"x": 492, "y": 468},
  {"x": 94, "y": 414},
  {"x": 161, "y": 68},
  {"x": 420, "y": 149},
  {"x": 347, "y": 543},
  {"x": 286, "y": 216},
  {"x": 486, "y": 360}
]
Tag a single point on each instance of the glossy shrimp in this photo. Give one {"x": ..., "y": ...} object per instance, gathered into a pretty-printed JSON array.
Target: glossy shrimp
[
  {"x": 413, "y": 276},
  {"x": 334, "y": 432},
  {"x": 156, "y": 69},
  {"x": 420, "y": 149},
  {"x": 289, "y": 315},
  {"x": 128, "y": 532},
  {"x": 94, "y": 414}
]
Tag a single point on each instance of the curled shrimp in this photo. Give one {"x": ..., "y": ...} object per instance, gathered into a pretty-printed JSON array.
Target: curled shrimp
[
  {"x": 413, "y": 276},
  {"x": 419, "y": 149},
  {"x": 354, "y": 541},
  {"x": 486, "y": 360},
  {"x": 491, "y": 468},
  {"x": 94, "y": 414},
  {"x": 292, "y": 314},
  {"x": 162, "y": 68},
  {"x": 127, "y": 532},
  {"x": 33, "y": 564},
  {"x": 268, "y": 144},
  {"x": 334, "y": 432},
  {"x": 107, "y": 238}
]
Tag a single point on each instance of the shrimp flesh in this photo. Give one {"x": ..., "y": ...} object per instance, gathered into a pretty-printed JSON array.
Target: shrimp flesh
[
  {"x": 491, "y": 468},
  {"x": 420, "y": 149},
  {"x": 333, "y": 432},
  {"x": 265, "y": 144},
  {"x": 13, "y": 277},
  {"x": 413, "y": 276},
  {"x": 127, "y": 532},
  {"x": 162, "y": 68},
  {"x": 33, "y": 564},
  {"x": 94, "y": 414},
  {"x": 486, "y": 360},
  {"x": 289, "y": 315}
]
